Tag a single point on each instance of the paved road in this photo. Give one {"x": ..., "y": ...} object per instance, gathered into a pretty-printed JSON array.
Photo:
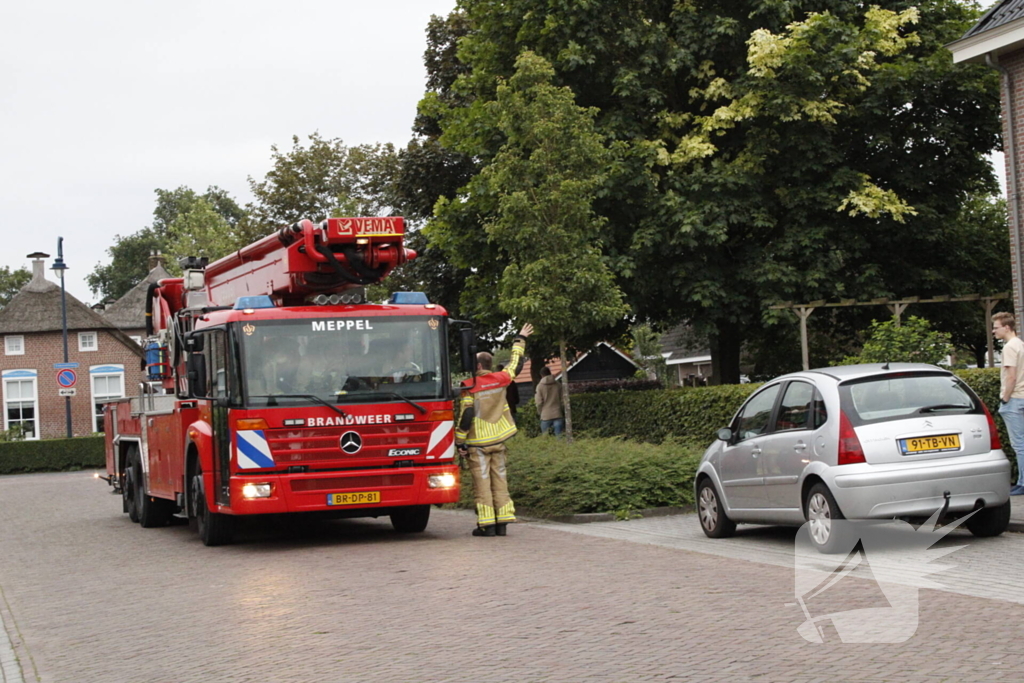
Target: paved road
[{"x": 89, "y": 597}]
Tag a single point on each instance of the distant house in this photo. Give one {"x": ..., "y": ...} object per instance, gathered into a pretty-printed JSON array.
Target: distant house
[
  {"x": 603, "y": 362},
  {"x": 687, "y": 363},
  {"x": 998, "y": 41},
  {"x": 109, "y": 362}
]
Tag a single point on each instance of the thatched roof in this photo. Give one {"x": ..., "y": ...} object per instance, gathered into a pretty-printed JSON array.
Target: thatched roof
[
  {"x": 129, "y": 312},
  {"x": 37, "y": 308}
]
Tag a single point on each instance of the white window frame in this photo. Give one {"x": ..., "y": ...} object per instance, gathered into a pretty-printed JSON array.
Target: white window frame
[
  {"x": 9, "y": 342},
  {"x": 104, "y": 371},
  {"x": 20, "y": 376},
  {"x": 95, "y": 338}
]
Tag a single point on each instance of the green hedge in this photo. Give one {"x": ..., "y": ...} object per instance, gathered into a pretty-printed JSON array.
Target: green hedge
[
  {"x": 52, "y": 455},
  {"x": 548, "y": 476},
  {"x": 691, "y": 414},
  {"x": 985, "y": 383}
]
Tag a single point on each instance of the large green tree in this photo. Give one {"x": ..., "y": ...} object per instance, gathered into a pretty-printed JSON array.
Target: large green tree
[
  {"x": 544, "y": 181},
  {"x": 323, "y": 178},
  {"x": 11, "y": 282},
  {"x": 129, "y": 255},
  {"x": 773, "y": 150}
]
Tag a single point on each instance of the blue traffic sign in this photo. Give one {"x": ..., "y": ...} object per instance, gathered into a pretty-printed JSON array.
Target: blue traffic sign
[
  {"x": 62, "y": 366},
  {"x": 67, "y": 378}
]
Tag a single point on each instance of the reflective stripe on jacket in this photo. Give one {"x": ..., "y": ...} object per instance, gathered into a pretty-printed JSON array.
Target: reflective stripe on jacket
[{"x": 486, "y": 419}]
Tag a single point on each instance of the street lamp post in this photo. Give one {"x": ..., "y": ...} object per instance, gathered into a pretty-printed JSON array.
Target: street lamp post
[{"x": 59, "y": 266}]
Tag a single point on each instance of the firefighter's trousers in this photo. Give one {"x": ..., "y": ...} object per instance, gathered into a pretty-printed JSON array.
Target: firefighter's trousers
[{"x": 490, "y": 485}]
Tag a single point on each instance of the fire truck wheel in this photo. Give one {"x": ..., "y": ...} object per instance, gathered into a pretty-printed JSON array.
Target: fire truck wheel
[
  {"x": 128, "y": 490},
  {"x": 152, "y": 512},
  {"x": 214, "y": 528},
  {"x": 411, "y": 520}
]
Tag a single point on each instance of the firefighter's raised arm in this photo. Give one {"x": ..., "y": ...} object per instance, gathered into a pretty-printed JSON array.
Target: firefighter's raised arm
[{"x": 515, "y": 364}]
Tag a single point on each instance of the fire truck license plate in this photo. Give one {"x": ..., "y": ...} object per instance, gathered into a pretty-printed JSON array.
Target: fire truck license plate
[{"x": 360, "y": 498}]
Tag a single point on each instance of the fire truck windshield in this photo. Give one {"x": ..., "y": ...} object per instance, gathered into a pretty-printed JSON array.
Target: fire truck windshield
[{"x": 342, "y": 360}]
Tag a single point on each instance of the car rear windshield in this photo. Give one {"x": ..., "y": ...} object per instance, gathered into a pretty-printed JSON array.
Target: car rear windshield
[{"x": 900, "y": 396}]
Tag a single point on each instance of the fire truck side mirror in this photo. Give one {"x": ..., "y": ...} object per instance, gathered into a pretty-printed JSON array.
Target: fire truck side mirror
[
  {"x": 196, "y": 368},
  {"x": 194, "y": 343},
  {"x": 467, "y": 346}
]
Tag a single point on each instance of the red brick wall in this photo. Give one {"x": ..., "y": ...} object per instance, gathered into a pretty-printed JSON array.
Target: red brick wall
[
  {"x": 42, "y": 350},
  {"x": 1014, "y": 65}
]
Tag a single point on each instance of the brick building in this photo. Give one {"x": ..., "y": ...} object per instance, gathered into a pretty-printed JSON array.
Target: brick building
[
  {"x": 109, "y": 361},
  {"x": 998, "y": 41}
]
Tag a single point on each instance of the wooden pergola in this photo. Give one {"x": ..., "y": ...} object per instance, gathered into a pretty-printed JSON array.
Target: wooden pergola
[{"x": 896, "y": 307}]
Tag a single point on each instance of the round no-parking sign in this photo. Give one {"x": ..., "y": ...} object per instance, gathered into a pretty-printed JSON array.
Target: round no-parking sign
[{"x": 66, "y": 378}]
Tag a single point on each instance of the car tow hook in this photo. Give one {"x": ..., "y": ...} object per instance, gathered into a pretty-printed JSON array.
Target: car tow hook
[{"x": 945, "y": 505}]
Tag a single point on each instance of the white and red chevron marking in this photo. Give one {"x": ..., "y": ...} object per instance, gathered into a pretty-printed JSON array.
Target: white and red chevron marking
[{"x": 442, "y": 441}]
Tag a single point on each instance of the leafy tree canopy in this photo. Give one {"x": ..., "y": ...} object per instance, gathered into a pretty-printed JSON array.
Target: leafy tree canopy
[
  {"x": 11, "y": 282},
  {"x": 542, "y": 184},
  {"x": 322, "y": 179},
  {"x": 769, "y": 150},
  {"x": 912, "y": 341},
  {"x": 129, "y": 255}
]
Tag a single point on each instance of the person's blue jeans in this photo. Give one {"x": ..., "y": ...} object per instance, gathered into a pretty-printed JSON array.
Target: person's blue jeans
[
  {"x": 1012, "y": 413},
  {"x": 558, "y": 424}
]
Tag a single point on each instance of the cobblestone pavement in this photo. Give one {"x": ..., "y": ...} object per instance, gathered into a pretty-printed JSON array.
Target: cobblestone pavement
[
  {"x": 984, "y": 568},
  {"x": 89, "y": 597}
]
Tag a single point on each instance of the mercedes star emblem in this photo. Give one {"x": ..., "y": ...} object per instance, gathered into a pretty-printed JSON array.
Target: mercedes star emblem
[{"x": 351, "y": 442}]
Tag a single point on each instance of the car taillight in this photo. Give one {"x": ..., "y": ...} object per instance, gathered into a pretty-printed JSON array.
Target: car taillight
[
  {"x": 850, "y": 451},
  {"x": 995, "y": 443}
]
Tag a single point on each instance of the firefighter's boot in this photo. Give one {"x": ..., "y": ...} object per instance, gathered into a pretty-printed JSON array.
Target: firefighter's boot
[
  {"x": 484, "y": 531},
  {"x": 501, "y": 529}
]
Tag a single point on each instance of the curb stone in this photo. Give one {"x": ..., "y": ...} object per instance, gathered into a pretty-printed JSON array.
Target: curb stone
[
  {"x": 589, "y": 517},
  {"x": 10, "y": 667}
]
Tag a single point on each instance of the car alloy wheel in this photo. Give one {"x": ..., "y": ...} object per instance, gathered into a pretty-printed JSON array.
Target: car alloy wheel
[
  {"x": 713, "y": 520},
  {"x": 708, "y": 508},
  {"x": 819, "y": 517}
]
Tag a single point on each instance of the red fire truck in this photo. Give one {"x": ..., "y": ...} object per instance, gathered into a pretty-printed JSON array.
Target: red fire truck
[{"x": 274, "y": 388}]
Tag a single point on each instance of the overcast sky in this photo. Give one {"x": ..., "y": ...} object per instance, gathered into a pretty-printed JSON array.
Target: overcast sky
[{"x": 103, "y": 102}]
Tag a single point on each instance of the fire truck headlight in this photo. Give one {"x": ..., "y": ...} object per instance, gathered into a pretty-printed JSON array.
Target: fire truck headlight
[
  {"x": 441, "y": 481},
  {"x": 251, "y": 490}
]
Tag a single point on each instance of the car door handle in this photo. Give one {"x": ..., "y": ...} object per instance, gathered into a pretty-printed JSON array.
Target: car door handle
[
  {"x": 755, "y": 451},
  {"x": 800, "y": 446}
]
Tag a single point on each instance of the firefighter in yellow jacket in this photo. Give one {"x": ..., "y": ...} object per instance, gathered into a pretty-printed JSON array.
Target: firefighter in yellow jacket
[{"x": 485, "y": 425}]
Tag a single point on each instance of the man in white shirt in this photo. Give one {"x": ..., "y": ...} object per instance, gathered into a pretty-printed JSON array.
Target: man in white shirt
[{"x": 1011, "y": 389}]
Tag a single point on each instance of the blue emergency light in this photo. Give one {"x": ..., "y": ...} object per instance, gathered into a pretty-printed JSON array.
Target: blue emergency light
[
  {"x": 262, "y": 301},
  {"x": 408, "y": 299}
]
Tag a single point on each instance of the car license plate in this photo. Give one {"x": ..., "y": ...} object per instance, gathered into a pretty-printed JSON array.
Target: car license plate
[
  {"x": 360, "y": 498},
  {"x": 930, "y": 444}
]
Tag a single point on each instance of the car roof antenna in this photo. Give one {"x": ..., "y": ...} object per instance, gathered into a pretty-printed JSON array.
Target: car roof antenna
[{"x": 885, "y": 365}]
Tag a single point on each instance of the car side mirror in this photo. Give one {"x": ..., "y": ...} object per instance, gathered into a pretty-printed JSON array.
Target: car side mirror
[{"x": 725, "y": 434}]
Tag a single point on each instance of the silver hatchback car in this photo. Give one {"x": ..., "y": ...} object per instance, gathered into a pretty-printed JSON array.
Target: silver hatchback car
[{"x": 856, "y": 442}]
